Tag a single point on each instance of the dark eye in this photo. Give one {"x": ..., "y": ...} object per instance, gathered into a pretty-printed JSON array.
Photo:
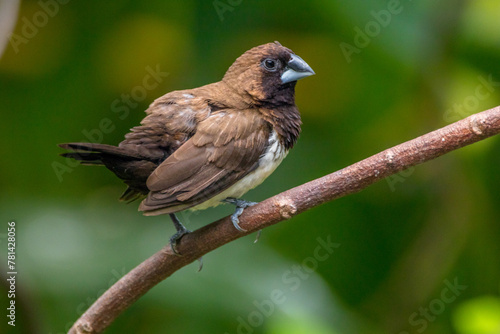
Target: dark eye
[{"x": 270, "y": 64}]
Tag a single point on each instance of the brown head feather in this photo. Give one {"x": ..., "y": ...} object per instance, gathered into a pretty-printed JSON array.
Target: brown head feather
[{"x": 264, "y": 89}]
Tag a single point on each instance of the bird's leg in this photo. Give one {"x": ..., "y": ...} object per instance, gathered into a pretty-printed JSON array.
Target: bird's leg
[
  {"x": 181, "y": 231},
  {"x": 241, "y": 205}
]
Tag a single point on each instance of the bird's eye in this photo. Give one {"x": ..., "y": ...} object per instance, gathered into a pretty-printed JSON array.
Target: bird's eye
[{"x": 270, "y": 64}]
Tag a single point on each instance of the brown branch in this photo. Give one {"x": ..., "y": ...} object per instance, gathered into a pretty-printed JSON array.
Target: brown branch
[{"x": 281, "y": 207}]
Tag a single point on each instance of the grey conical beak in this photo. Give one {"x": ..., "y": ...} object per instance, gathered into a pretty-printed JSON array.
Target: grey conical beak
[{"x": 296, "y": 69}]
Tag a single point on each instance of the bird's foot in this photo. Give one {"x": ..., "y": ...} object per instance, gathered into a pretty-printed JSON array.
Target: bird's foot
[
  {"x": 181, "y": 231},
  {"x": 241, "y": 205}
]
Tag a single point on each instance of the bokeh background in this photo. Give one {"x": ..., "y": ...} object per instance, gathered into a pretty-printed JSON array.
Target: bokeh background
[{"x": 416, "y": 253}]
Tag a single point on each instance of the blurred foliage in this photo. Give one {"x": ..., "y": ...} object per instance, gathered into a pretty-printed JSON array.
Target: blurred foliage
[
  {"x": 478, "y": 316},
  {"x": 417, "y": 66}
]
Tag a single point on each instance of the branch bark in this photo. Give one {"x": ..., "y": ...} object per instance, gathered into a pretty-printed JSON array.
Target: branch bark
[{"x": 281, "y": 207}]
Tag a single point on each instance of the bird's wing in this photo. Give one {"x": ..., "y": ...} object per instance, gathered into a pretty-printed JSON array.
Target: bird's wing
[
  {"x": 171, "y": 120},
  {"x": 226, "y": 147}
]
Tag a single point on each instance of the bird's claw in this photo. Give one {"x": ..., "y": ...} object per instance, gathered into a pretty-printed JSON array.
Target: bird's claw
[
  {"x": 236, "y": 221},
  {"x": 181, "y": 231},
  {"x": 200, "y": 266},
  {"x": 241, "y": 205},
  {"x": 257, "y": 237},
  {"x": 176, "y": 237}
]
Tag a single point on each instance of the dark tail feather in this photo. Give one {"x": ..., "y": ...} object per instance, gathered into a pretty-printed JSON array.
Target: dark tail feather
[
  {"x": 131, "y": 195},
  {"x": 85, "y": 158},
  {"x": 131, "y": 167},
  {"x": 92, "y": 154}
]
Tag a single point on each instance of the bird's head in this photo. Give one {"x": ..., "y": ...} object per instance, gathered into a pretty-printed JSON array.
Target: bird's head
[{"x": 267, "y": 74}]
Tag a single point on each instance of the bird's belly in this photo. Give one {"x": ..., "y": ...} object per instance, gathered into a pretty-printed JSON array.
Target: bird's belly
[{"x": 268, "y": 162}]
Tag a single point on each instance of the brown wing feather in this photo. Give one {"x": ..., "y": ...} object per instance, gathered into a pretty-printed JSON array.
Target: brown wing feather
[
  {"x": 172, "y": 119},
  {"x": 225, "y": 148}
]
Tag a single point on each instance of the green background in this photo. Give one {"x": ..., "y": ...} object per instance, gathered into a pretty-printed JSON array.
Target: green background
[{"x": 387, "y": 71}]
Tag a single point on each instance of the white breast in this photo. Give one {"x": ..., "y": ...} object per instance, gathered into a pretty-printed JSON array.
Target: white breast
[{"x": 268, "y": 162}]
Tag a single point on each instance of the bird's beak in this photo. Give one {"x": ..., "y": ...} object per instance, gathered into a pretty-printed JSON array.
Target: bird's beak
[{"x": 296, "y": 69}]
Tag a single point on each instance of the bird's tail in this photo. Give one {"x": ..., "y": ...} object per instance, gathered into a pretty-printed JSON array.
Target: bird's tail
[
  {"x": 94, "y": 154},
  {"x": 132, "y": 168}
]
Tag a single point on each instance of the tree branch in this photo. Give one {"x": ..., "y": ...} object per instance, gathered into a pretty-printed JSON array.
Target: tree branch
[{"x": 283, "y": 206}]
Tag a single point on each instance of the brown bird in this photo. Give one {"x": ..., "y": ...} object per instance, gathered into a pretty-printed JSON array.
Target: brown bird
[{"x": 200, "y": 147}]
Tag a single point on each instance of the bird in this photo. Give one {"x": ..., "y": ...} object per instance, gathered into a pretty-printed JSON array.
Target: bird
[{"x": 198, "y": 148}]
